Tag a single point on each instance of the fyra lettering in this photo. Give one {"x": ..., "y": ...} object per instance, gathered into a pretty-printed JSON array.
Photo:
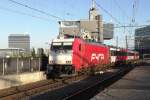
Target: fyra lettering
[{"x": 97, "y": 57}]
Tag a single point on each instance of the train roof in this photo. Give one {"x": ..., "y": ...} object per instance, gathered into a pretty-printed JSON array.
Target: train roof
[
  {"x": 98, "y": 44},
  {"x": 114, "y": 49},
  {"x": 72, "y": 39},
  {"x": 63, "y": 40}
]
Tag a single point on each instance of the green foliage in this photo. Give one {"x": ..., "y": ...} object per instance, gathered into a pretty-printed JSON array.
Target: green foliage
[{"x": 33, "y": 53}]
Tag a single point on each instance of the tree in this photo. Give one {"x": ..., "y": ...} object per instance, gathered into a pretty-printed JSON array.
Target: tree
[{"x": 33, "y": 52}]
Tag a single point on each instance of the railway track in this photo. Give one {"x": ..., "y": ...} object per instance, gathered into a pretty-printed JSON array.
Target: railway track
[
  {"x": 25, "y": 91},
  {"x": 90, "y": 91}
]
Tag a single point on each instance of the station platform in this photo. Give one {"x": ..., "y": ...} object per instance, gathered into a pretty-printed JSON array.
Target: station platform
[
  {"x": 8, "y": 81},
  {"x": 133, "y": 86}
]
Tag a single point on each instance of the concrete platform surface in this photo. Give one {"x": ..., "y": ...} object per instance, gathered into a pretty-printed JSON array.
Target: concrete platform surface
[
  {"x": 133, "y": 86},
  {"x": 20, "y": 79}
]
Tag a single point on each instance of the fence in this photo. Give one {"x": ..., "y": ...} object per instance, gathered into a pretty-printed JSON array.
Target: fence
[{"x": 19, "y": 65}]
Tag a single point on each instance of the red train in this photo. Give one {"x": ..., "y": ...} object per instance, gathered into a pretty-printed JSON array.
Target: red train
[{"x": 70, "y": 56}]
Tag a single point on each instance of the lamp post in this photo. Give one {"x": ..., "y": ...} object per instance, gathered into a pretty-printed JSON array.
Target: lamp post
[
  {"x": 3, "y": 65},
  {"x": 32, "y": 62},
  {"x": 18, "y": 62},
  {"x": 39, "y": 63}
]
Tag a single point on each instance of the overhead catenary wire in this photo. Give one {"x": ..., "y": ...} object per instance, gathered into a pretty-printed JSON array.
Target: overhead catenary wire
[
  {"x": 121, "y": 9},
  {"x": 22, "y": 13},
  {"x": 37, "y": 10},
  {"x": 56, "y": 17},
  {"x": 115, "y": 19},
  {"x": 132, "y": 23},
  {"x": 124, "y": 26},
  {"x": 42, "y": 18},
  {"x": 124, "y": 13}
]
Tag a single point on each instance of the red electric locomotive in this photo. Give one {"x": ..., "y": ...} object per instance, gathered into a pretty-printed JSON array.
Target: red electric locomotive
[
  {"x": 86, "y": 54},
  {"x": 70, "y": 56}
]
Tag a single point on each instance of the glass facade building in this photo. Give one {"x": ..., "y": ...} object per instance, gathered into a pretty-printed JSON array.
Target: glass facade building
[{"x": 142, "y": 40}]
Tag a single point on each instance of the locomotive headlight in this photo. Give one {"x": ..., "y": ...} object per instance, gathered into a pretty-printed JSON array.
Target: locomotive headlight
[
  {"x": 51, "y": 61},
  {"x": 68, "y": 62}
]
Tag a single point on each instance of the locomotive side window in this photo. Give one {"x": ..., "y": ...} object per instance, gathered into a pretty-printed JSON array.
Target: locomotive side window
[
  {"x": 117, "y": 53},
  {"x": 113, "y": 53},
  {"x": 80, "y": 47},
  {"x": 121, "y": 53},
  {"x": 130, "y": 54},
  {"x": 124, "y": 53}
]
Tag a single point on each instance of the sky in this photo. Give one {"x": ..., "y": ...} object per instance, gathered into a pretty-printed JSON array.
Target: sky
[{"x": 16, "y": 19}]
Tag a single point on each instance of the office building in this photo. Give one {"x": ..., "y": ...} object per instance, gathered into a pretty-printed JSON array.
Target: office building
[
  {"x": 21, "y": 41},
  {"x": 142, "y": 40}
]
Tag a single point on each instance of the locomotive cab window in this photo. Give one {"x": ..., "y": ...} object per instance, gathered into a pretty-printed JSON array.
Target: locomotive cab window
[
  {"x": 61, "y": 46},
  {"x": 56, "y": 46},
  {"x": 67, "y": 46}
]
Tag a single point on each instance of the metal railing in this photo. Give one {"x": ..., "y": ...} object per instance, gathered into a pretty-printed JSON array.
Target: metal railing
[{"x": 19, "y": 65}]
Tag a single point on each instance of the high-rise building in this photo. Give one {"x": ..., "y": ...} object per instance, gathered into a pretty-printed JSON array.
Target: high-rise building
[
  {"x": 21, "y": 41},
  {"x": 142, "y": 40}
]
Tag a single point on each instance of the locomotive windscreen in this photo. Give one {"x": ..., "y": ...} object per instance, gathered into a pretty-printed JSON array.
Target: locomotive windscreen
[{"x": 61, "y": 46}]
